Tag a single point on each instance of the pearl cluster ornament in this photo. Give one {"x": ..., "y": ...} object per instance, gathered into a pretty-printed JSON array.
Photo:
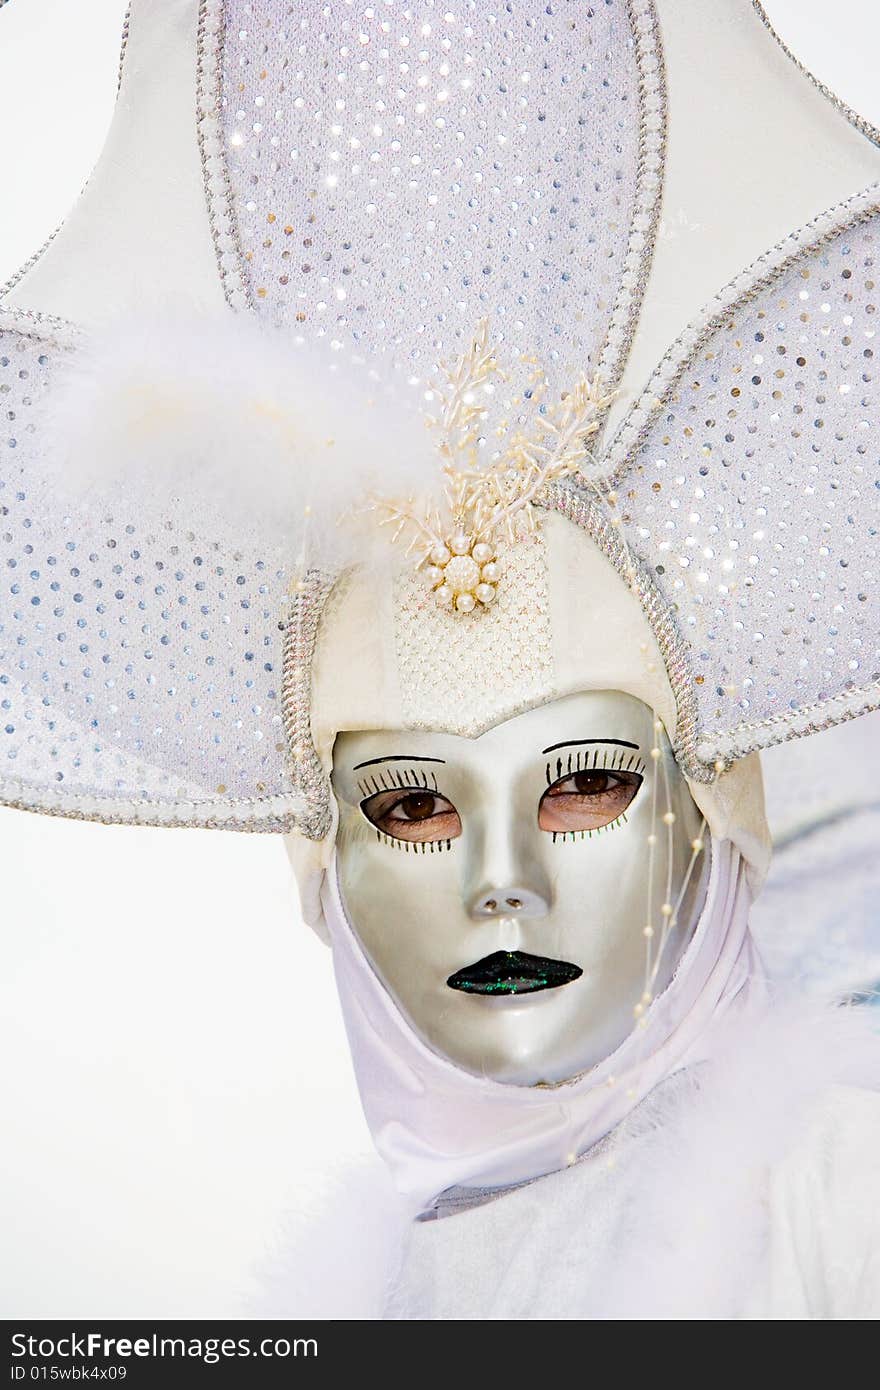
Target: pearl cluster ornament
[
  {"x": 451, "y": 535},
  {"x": 463, "y": 573}
]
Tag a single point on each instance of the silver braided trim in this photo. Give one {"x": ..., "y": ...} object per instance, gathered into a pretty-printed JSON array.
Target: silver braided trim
[
  {"x": 268, "y": 814},
  {"x": 780, "y": 728},
  {"x": 744, "y": 287},
  {"x": 46, "y": 328},
  {"x": 861, "y": 124},
  {"x": 209, "y": 125},
  {"x": 126, "y": 25},
  {"x": 576, "y": 506},
  {"x": 300, "y": 635},
  {"x": 31, "y": 261},
  {"x": 649, "y": 190}
]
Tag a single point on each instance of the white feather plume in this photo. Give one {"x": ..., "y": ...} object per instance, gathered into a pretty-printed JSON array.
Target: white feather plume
[{"x": 232, "y": 429}]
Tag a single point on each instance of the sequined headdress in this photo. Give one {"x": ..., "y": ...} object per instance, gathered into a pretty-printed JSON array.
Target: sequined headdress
[{"x": 463, "y": 207}]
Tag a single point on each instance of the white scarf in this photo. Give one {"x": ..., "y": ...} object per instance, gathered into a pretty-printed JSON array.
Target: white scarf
[{"x": 437, "y": 1126}]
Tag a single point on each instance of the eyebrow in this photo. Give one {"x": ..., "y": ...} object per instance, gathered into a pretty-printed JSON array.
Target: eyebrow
[
  {"x": 400, "y": 758},
  {"x": 578, "y": 742}
]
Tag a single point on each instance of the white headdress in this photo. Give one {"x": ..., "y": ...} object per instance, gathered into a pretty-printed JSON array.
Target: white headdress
[{"x": 179, "y": 644}]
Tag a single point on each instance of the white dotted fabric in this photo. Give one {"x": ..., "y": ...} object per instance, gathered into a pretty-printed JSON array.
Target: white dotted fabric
[
  {"x": 399, "y": 172},
  {"x": 139, "y": 668},
  {"x": 754, "y": 501}
]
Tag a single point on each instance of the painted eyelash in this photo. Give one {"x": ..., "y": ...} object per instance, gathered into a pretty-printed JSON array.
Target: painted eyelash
[
  {"x": 417, "y": 846},
  {"x": 583, "y": 762},
  {"x": 588, "y": 834},
  {"x": 392, "y": 780}
]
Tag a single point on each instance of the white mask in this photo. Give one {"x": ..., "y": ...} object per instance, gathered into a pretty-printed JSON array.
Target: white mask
[{"x": 534, "y": 838}]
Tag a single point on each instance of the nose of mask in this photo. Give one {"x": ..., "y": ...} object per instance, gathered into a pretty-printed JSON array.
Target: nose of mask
[{"x": 510, "y": 900}]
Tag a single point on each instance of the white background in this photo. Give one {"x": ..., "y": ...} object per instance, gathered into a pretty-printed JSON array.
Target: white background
[{"x": 173, "y": 1055}]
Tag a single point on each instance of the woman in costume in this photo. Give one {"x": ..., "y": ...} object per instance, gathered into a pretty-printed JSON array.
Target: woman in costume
[{"x": 516, "y": 753}]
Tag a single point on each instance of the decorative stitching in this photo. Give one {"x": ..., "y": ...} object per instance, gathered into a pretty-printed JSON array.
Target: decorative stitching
[
  {"x": 48, "y": 328},
  {"x": 649, "y": 190},
  {"x": 126, "y": 25},
  {"x": 300, "y": 635},
  {"x": 215, "y": 174},
  {"x": 861, "y": 124},
  {"x": 273, "y": 813},
  {"x": 780, "y": 728}
]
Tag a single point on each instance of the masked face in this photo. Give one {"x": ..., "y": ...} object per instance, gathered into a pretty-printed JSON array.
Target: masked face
[{"x": 522, "y": 894}]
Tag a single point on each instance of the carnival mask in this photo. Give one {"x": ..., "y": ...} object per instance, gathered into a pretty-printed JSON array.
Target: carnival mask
[
  {"x": 524, "y": 894},
  {"x": 643, "y": 507}
]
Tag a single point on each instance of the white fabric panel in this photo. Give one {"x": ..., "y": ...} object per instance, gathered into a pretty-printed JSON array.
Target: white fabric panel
[
  {"x": 138, "y": 238},
  {"x": 753, "y": 151}
]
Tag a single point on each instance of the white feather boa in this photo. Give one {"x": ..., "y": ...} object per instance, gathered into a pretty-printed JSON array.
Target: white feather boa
[
  {"x": 710, "y": 1144},
  {"x": 230, "y": 428}
]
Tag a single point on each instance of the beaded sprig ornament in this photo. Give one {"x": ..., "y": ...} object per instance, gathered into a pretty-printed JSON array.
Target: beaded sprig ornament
[{"x": 454, "y": 542}]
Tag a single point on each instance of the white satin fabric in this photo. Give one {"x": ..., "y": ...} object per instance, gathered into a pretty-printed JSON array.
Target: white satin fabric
[{"x": 438, "y": 1127}]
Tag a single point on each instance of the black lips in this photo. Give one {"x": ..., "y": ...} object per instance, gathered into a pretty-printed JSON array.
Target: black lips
[{"x": 513, "y": 972}]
